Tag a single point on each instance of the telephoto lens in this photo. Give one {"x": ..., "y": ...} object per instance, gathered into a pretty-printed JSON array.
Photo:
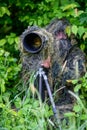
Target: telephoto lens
[{"x": 33, "y": 42}]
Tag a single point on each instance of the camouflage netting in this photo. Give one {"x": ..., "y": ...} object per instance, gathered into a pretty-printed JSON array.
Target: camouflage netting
[{"x": 67, "y": 60}]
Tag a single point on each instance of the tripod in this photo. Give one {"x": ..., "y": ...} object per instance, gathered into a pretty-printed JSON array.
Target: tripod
[{"x": 42, "y": 76}]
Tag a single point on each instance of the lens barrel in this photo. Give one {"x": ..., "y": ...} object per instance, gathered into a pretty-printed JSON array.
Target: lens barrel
[{"x": 33, "y": 42}]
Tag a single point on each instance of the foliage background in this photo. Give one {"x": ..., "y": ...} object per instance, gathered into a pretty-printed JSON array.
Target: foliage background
[{"x": 16, "y": 16}]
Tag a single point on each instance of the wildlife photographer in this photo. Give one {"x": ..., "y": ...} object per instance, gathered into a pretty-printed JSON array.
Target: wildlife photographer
[{"x": 51, "y": 48}]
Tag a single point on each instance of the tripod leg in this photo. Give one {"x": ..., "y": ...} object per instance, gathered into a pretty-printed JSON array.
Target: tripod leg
[
  {"x": 40, "y": 84},
  {"x": 50, "y": 95},
  {"x": 41, "y": 88},
  {"x": 52, "y": 102}
]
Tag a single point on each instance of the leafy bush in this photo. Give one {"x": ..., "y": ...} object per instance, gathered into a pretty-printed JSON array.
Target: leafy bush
[
  {"x": 15, "y": 16},
  {"x": 78, "y": 118},
  {"x": 27, "y": 114},
  {"x": 81, "y": 87}
]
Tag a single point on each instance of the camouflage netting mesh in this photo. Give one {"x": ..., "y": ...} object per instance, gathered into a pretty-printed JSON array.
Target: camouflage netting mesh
[{"x": 67, "y": 60}]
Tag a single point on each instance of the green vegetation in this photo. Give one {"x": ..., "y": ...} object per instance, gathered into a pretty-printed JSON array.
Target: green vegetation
[{"x": 28, "y": 113}]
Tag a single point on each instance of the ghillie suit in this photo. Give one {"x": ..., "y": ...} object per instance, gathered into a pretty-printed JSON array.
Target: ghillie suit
[
  {"x": 68, "y": 61},
  {"x": 51, "y": 48}
]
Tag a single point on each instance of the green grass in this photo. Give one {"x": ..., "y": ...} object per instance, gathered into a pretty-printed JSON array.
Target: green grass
[{"x": 26, "y": 112}]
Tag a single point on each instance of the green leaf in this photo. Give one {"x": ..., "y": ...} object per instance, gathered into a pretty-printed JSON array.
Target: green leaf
[
  {"x": 2, "y": 42},
  {"x": 86, "y": 75},
  {"x": 2, "y": 105},
  {"x": 39, "y": 22},
  {"x": 75, "y": 81},
  {"x": 77, "y": 108},
  {"x": 1, "y": 52},
  {"x": 83, "y": 117},
  {"x": 81, "y": 30},
  {"x": 74, "y": 29},
  {"x": 78, "y": 86},
  {"x": 2, "y": 85},
  {"x": 68, "y": 30},
  {"x": 85, "y": 36},
  {"x": 17, "y": 102},
  {"x": 17, "y": 40},
  {"x": 82, "y": 46},
  {"x": 10, "y": 40},
  {"x": 6, "y": 54},
  {"x": 69, "y": 6},
  {"x": 69, "y": 114},
  {"x": 4, "y": 10}
]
